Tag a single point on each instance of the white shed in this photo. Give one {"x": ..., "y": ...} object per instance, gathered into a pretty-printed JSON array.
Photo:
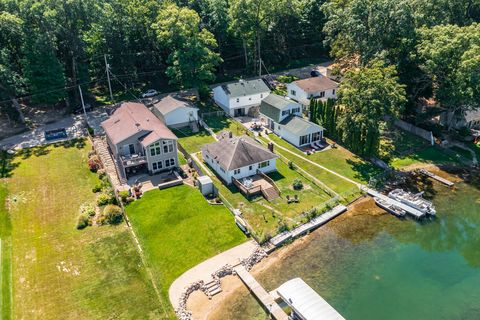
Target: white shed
[
  {"x": 205, "y": 184},
  {"x": 175, "y": 113}
]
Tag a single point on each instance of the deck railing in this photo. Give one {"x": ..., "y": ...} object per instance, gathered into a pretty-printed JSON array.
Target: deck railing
[{"x": 270, "y": 180}]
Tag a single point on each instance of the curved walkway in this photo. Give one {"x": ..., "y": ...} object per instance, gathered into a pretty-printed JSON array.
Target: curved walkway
[{"x": 204, "y": 270}]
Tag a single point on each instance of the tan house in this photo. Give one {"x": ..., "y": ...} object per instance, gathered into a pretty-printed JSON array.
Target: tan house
[{"x": 139, "y": 141}]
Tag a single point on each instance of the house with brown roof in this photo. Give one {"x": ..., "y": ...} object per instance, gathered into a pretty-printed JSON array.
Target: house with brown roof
[
  {"x": 320, "y": 87},
  {"x": 139, "y": 141},
  {"x": 238, "y": 157}
]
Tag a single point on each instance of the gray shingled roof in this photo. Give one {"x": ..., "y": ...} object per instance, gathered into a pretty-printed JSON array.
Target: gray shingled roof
[
  {"x": 297, "y": 125},
  {"x": 238, "y": 152},
  {"x": 245, "y": 88},
  {"x": 273, "y": 104}
]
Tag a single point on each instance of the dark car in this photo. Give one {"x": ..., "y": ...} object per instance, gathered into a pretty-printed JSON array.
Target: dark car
[
  {"x": 79, "y": 109},
  {"x": 315, "y": 73}
]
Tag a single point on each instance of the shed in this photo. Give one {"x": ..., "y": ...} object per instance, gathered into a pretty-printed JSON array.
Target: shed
[
  {"x": 205, "y": 184},
  {"x": 305, "y": 302}
]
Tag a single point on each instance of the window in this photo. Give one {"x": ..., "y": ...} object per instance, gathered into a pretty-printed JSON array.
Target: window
[
  {"x": 333, "y": 91},
  {"x": 250, "y": 168},
  {"x": 285, "y": 112},
  {"x": 250, "y": 99},
  {"x": 236, "y": 171},
  {"x": 264, "y": 164},
  {"x": 293, "y": 92},
  {"x": 322, "y": 94},
  {"x": 167, "y": 146},
  {"x": 206, "y": 156},
  {"x": 155, "y": 149},
  {"x": 223, "y": 170},
  {"x": 261, "y": 95},
  {"x": 238, "y": 99},
  {"x": 131, "y": 148},
  {"x": 157, "y": 165},
  {"x": 296, "y": 110},
  {"x": 169, "y": 162},
  {"x": 315, "y": 136},
  {"x": 154, "y": 165},
  {"x": 304, "y": 139}
]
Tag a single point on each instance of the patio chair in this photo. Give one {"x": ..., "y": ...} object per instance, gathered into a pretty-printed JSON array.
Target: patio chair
[
  {"x": 313, "y": 146},
  {"x": 296, "y": 199},
  {"x": 288, "y": 199}
]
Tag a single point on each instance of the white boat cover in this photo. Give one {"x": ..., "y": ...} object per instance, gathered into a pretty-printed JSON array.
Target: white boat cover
[{"x": 306, "y": 303}]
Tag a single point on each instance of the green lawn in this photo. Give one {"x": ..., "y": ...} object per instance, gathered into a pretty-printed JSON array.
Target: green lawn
[
  {"x": 178, "y": 229},
  {"x": 192, "y": 142},
  {"x": 339, "y": 160},
  {"x": 430, "y": 155},
  {"x": 219, "y": 124},
  {"x": 264, "y": 216},
  {"x": 396, "y": 142},
  {"x": 59, "y": 272},
  {"x": 5, "y": 255}
]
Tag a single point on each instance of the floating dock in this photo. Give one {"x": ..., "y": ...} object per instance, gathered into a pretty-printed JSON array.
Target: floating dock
[
  {"x": 305, "y": 303},
  {"x": 309, "y": 226},
  {"x": 435, "y": 177},
  {"x": 417, "y": 214},
  {"x": 262, "y": 295}
]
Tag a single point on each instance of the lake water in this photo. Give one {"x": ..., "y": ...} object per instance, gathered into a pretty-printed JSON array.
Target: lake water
[{"x": 379, "y": 267}]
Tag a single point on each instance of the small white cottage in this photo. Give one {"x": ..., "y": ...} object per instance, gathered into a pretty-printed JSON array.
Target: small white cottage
[
  {"x": 175, "y": 112},
  {"x": 320, "y": 87}
]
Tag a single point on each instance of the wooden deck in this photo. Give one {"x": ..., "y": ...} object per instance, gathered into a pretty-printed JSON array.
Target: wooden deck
[{"x": 262, "y": 295}]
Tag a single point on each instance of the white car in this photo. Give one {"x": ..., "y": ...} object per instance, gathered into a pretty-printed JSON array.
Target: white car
[{"x": 150, "y": 93}]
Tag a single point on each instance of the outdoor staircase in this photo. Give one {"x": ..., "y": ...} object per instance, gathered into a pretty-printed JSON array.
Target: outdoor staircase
[
  {"x": 110, "y": 165},
  {"x": 270, "y": 193},
  {"x": 213, "y": 288}
]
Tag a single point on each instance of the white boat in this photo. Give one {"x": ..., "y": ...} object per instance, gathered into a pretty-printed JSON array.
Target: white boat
[
  {"x": 241, "y": 224},
  {"x": 413, "y": 200},
  {"x": 389, "y": 207}
]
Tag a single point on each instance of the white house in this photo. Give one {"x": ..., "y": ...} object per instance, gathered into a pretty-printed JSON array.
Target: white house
[
  {"x": 283, "y": 117},
  {"x": 320, "y": 87},
  {"x": 238, "y": 98},
  {"x": 175, "y": 112},
  {"x": 238, "y": 157}
]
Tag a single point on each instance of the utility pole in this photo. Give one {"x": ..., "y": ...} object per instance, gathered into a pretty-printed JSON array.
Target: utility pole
[
  {"x": 107, "y": 69},
  {"x": 83, "y": 103},
  {"x": 259, "y": 59}
]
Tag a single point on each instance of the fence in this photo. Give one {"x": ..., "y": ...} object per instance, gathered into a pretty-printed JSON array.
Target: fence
[
  {"x": 422, "y": 133},
  {"x": 219, "y": 113}
]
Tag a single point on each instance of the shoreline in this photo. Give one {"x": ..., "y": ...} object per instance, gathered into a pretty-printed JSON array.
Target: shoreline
[{"x": 202, "y": 307}]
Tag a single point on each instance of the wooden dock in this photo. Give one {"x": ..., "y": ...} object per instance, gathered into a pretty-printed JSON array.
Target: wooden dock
[
  {"x": 262, "y": 295},
  {"x": 417, "y": 214},
  {"x": 309, "y": 226},
  {"x": 435, "y": 177}
]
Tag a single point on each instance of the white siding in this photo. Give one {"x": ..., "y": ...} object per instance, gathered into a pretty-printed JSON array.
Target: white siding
[
  {"x": 162, "y": 156},
  {"x": 293, "y": 138},
  {"x": 229, "y": 104},
  {"x": 302, "y": 96},
  {"x": 181, "y": 116},
  {"x": 244, "y": 172}
]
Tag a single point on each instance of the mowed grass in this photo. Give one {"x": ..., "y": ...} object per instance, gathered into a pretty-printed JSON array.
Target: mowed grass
[
  {"x": 59, "y": 272},
  {"x": 265, "y": 217},
  {"x": 430, "y": 155},
  {"x": 338, "y": 160},
  {"x": 192, "y": 142},
  {"x": 178, "y": 229},
  {"x": 219, "y": 124},
  {"x": 5, "y": 255}
]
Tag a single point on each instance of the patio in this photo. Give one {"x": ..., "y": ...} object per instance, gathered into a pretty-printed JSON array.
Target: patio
[
  {"x": 161, "y": 180},
  {"x": 253, "y": 124}
]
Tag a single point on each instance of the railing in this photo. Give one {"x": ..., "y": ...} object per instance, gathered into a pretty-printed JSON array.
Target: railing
[
  {"x": 247, "y": 191},
  {"x": 133, "y": 160},
  {"x": 270, "y": 180}
]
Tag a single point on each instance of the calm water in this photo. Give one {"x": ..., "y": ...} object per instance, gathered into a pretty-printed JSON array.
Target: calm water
[{"x": 379, "y": 267}]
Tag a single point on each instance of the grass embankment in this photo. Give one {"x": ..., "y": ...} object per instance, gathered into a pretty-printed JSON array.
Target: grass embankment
[
  {"x": 430, "y": 155},
  {"x": 192, "y": 142},
  {"x": 59, "y": 272},
  {"x": 219, "y": 124},
  {"x": 338, "y": 160},
  {"x": 178, "y": 229}
]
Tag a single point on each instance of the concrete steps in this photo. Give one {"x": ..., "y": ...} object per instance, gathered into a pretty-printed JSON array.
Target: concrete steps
[{"x": 213, "y": 288}]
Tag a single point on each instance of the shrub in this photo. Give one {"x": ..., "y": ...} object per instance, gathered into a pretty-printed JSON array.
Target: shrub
[
  {"x": 98, "y": 187},
  {"x": 83, "y": 222},
  {"x": 112, "y": 214},
  {"x": 94, "y": 163},
  {"x": 125, "y": 197},
  {"x": 282, "y": 227},
  {"x": 297, "y": 184},
  {"x": 291, "y": 165},
  {"x": 87, "y": 209},
  {"x": 105, "y": 198}
]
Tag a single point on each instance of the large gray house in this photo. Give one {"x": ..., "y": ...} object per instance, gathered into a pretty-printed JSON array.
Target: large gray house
[{"x": 139, "y": 141}]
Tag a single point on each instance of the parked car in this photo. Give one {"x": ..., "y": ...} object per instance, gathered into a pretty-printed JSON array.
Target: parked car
[
  {"x": 150, "y": 93},
  {"x": 315, "y": 73}
]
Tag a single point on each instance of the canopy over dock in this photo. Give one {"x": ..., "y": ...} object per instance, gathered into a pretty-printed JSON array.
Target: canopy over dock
[{"x": 305, "y": 302}]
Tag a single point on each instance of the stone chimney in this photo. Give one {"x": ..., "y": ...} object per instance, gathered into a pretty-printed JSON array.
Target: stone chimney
[{"x": 270, "y": 146}]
